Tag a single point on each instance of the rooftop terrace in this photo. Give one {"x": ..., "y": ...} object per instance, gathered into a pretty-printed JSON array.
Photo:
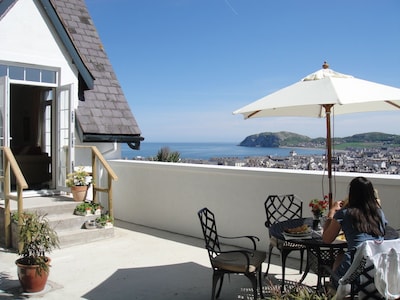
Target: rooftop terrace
[{"x": 138, "y": 263}]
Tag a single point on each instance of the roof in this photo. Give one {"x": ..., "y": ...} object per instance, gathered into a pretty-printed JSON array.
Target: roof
[{"x": 104, "y": 115}]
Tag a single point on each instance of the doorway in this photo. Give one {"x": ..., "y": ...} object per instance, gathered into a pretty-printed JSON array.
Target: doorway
[{"x": 31, "y": 133}]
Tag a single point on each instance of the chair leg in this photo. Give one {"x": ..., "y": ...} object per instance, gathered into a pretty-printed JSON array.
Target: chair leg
[
  {"x": 269, "y": 259},
  {"x": 220, "y": 284},
  {"x": 260, "y": 283},
  {"x": 216, "y": 276},
  {"x": 253, "y": 279}
]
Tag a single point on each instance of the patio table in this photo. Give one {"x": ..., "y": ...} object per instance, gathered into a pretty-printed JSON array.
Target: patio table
[{"x": 319, "y": 254}]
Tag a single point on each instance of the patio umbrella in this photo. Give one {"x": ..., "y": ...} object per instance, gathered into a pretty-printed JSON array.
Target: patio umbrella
[{"x": 321, "y": 93}]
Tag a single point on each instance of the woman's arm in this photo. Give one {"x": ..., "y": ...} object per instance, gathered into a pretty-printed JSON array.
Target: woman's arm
[
  {"x": 331, "y": 226},
  {"x": 331, "y": 230}
]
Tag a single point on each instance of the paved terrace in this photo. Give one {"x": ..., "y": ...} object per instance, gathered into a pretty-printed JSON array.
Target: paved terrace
[{"x": 138, "y": 263}]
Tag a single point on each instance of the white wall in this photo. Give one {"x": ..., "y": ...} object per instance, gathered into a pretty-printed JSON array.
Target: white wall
[
  {"x": 168, "y": 195},
  {"x": 27, "y": 38}
]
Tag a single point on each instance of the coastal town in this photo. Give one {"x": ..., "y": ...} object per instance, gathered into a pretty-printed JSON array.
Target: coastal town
[{"x": 380, "y": 160}]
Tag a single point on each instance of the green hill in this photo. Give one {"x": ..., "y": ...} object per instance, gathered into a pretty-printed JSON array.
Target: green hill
[{"x": 290, "y": 139}]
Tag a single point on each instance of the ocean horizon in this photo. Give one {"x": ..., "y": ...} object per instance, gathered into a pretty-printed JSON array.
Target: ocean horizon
[{"x": 206, "y": 151}]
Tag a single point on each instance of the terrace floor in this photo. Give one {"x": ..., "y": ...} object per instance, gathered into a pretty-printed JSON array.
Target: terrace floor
[{"x": 137, "y": 263}]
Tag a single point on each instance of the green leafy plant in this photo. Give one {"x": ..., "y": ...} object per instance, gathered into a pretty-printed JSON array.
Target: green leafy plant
[
  {"x": 104, "y": 219},
  {"x": 164, "y": 154},
  {"x": 37, "y": 238},
  {"x": 81, "y": 208},
  {"x": 80, "y": 177}
]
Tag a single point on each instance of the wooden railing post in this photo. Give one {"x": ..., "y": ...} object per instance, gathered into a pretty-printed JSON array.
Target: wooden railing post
[{"x": 10, "y": 164}]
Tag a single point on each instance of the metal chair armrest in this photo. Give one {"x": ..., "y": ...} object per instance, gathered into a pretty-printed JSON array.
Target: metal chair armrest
[{"x": 252, "y": 238}]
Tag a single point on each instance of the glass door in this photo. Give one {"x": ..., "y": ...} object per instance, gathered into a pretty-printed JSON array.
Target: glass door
[
  {"x": 4, "y": 120},
  {"x": 65, "y": 120}
]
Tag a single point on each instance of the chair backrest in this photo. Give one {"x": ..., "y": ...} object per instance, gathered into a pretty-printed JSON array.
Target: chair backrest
[
  {"x": 209, "y": 228},
  {"x": 280, "y": 208},
  {"x": 375, "y": 271}
]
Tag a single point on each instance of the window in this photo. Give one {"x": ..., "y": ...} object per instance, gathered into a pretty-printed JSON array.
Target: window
[{"x": 29, "y": 74}]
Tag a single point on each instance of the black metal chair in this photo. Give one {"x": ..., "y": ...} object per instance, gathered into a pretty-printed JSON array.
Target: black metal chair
[
  {"x": 280, "y": 208},
  {"x": 241, "y": 261}
]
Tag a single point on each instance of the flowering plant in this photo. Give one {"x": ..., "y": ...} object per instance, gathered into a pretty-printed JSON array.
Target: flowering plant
[
  {"x": 318, "y": 207},
  {"x": 78, "y": 178}
]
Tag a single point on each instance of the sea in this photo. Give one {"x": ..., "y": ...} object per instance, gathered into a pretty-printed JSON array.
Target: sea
[{"x": 206, "y": 151}]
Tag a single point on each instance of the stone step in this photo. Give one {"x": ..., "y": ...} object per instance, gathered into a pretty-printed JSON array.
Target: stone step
[
  {"x": 59, "y": 211},
  {"x": 83, "y": 236},
  {"x": 66, "y": 221},
  {"x": 53, "y": 204}
]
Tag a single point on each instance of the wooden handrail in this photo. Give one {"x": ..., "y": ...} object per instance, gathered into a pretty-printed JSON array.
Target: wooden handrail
[
  {"x": 98, "y": 157},
  {"x": 10, "y": 164}
]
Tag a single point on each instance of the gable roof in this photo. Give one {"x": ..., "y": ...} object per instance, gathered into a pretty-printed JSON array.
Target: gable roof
[{"x": 104, "y": 115}]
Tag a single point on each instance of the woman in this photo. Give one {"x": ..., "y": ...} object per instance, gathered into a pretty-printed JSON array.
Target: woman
[{"x": 361, "y": 219}]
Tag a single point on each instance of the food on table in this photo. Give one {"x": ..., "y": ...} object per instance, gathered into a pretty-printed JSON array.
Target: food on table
[{"x": 300, "y": 229}]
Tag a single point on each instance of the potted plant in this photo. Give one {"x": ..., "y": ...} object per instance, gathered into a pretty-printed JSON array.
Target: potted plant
[
  {"x": 87, "y": 209},
  {"x": 105, "y": 221},
  {"x": 36, "y": 238},
  {"x": 83, "y": 209},
  {"x": 78, "y": 181}
]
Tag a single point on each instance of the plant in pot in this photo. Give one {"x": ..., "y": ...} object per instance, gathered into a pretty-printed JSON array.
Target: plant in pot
[
  {"x": 83, "y": 209},
  {"x": 79, "y": 182},
  {"x": 105, "y": 221},
  {"x": 87, "y": 208},
  {"x": 36, "y": 238}
]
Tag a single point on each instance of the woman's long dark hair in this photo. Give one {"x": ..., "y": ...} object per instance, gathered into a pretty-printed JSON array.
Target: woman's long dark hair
[{"x": 364, "y": 207}]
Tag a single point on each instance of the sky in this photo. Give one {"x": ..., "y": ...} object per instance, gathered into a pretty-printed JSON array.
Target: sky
[{"x": 186, "y": 65}]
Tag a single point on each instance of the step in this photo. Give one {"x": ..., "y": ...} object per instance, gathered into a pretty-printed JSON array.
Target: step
[
  {"x": 59, "y": 211},
  {"x": 49, "y": 205},
  {"x": 74, "y": 236},
  {"x": 84, "y": 236},
  {"x": 66, "y": 221}
]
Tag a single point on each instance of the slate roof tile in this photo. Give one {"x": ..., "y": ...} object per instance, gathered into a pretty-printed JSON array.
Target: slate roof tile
[{"x": 93, "y": 114}]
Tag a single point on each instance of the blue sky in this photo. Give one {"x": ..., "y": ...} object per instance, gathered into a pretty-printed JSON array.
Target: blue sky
[{"x": 186, "y": 65}]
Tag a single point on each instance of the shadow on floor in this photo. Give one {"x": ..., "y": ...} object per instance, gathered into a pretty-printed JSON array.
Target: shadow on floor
[{"x": 179, "y": 281}]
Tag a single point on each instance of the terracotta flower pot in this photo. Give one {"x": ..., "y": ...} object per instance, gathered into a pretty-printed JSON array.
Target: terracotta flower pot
[
  {"x": 79, "y": 192},
  {"x": 30, "y": 280}
]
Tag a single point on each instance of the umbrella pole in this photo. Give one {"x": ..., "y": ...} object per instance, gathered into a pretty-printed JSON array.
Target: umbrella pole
[{"x": 329, "y": 150}]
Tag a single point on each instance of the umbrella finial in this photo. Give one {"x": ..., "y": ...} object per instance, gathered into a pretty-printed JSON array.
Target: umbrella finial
[{"x": 325, "y": 65}]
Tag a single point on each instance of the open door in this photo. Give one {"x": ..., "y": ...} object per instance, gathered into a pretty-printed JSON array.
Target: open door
[
  {"x": 65, "y": 121},
  {"x": 4, "y": 120}
]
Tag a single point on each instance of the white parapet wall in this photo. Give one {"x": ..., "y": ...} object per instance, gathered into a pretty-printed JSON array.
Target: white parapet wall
[{"x": 168, "y": 195}]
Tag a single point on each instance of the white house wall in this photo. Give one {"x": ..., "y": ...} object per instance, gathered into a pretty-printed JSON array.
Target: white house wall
[{"x": 27, "y": 37}]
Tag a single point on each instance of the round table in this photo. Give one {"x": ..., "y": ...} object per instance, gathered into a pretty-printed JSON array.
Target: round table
[{"x": 319, "y": 254}]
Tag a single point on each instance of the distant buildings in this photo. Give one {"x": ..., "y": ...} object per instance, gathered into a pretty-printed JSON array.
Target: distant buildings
[{"x": 372, "y": 160}]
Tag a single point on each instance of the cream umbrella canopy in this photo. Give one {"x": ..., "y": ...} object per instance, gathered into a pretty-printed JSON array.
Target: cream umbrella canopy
[{"x": 318, "y": 94}]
